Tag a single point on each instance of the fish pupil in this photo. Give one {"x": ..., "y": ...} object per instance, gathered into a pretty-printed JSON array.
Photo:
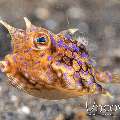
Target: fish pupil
[{"x": 39, "y": 40}]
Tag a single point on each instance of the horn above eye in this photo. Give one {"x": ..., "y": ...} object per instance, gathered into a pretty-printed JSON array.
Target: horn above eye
[
  {"x": 10, "y": 28},
  {"x": 28, "y": 23}
]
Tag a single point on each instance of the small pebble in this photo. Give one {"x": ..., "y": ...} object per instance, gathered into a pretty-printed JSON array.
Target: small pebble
[
  {"x": 24, "y": 110},
  {"x": 13, "y": 98}
]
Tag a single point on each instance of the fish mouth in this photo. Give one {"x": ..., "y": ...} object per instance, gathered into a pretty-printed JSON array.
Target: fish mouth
[{"x": 4, "y": 66}]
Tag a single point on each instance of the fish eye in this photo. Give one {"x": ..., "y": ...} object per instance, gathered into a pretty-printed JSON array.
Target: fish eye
[
  {"x": 40, "y": 40},
  {"x": 40, "y": 43}
]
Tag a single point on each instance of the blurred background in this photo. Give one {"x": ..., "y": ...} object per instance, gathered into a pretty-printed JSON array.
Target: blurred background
[{"x": 100, "y": 19}]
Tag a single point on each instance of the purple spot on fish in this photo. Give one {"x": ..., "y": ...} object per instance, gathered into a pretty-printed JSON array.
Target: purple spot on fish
[
  {"x": 84, "y": 55},
  {"x": 99, "y": 87},
  {"x": 79, "y": 81},
  {"x": 80, "y": 63},
  {"x": 84, "y": 72},
  {"x": 90, "y": 62},
  {"x": 14, "y": 58},
  {"x": 49, "y": 58},
  {"x": 90, "y": 82},
  {"x": 68, "y": 37},
  {"x": 69, "y": 67},
  {"x": 75, "y": 48},
  {"x": 76, "y": 75},
  {"x": 109, "y": 75},
  {"x": 65, "y": 46},
  {"x": 90, "y": 70},
  {"x": 60, "y": 43},
  {"x": 65, "y": 76},
  {"x": 58, "y": 63},
  {"x": 52, "y": 40}
]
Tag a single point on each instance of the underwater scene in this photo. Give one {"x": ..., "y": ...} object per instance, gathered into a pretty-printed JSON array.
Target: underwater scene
[{"x": 59, "y": 60}]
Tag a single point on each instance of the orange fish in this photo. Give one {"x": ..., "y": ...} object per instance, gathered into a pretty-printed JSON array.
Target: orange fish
[{"x": 50, "y": 66}]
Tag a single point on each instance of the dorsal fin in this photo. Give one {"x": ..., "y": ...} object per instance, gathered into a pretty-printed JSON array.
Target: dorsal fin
[{"x": 75, "y": 34}]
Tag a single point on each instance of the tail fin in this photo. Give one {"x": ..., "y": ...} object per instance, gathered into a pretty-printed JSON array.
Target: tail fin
[
  {"x": 107, "y": 77},
  {"x": 115, "y": 78}
]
